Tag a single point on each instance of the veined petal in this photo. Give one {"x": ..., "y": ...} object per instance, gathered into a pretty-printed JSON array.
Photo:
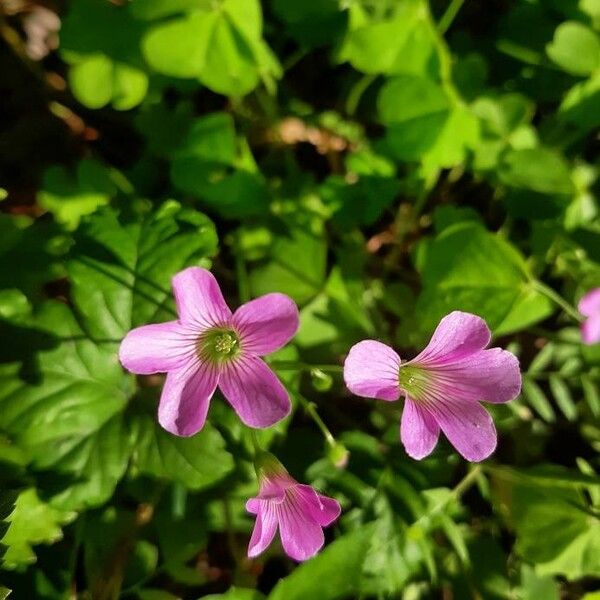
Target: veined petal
[
  {"x": 322, "y": 509},
  {"x": 266, "y": 323},
  {"x": 467, "y": 425},
  {"x": 301, "y": 536},
  {"x": 371, "y": 370},
  {"x": 186, "y": 397},
  {"x": 265, "y": 528},
  {"x": 254, "y": 392},
  {"x": 488, "y": 375},
  {"x": 156, "y": 348},
  {"x": 200, "y": 302},
  {"x": 419, "y": 431},
  {"x": 590, "y": 330},
  {"x": 458, "y": 335},
  {"x": 590, "y": 303}
]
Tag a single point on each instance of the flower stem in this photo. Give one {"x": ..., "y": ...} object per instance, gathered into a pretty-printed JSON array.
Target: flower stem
[
  {"x": 311, "y": 409},
  {"x": 357, "y": 91},
  {"x": 457, "y": 491},
  {"x": 449, "y": 16},
  {"x": 547, "y": 291}
]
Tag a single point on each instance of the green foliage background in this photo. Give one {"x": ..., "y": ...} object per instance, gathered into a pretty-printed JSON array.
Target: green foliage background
[{"x": 383, "y": 162}]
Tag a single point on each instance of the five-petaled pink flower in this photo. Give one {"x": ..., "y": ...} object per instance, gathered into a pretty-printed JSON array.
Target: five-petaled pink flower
[
  {"x": 442, "y": 386},
  {"x": 209, "y": 346},
  {"x": 589, "y": 306},
  {"x": 297, "y": 509}
]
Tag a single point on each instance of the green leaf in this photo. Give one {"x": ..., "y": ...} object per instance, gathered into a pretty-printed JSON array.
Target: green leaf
[
  {"x": 97, "y": 80},
  {"x": 408, "y": 98},
  {"x": 222, "y": 48},
  {"x": 537, "y": 169},
  {"x": 155, "y": 9},
  {"x": 335, "y": 573},
  {"x": 468, "y": 268},
  {"x": 70, "y": 196},
  {"x": 534, "y": 587},
  {"x": 547, "y": 476},
  {"x": 563, "y": 397},
  {"x": 29, "y": 254},
  {"x": 535, "y": 397},
  {"x": 196, "y": 462},
  {"x": 211, "y": 138},
  {"x": 32, "y": 522},
  {"x": 91, "y": 80},
  {"x": 575, "y": 48},
  {"x": 423, "y": 123},
  {"x": 577, "y": 107},
  {"x": 404, "y": 43},
  {"x": 210, "y": 165},
  {"x": 179, "y": 48},
  {"x": 415, "y": 110},
  {"x": 591, "y": 394},
  {"x": 4, "y": 592},
  {"x": 297, "y": 265},
  {"x": 570, "y": 534},
  {"x": 121, "y": 268},
  {"x": 360, "y": 203},
  {"x": 80, "y": 387}
]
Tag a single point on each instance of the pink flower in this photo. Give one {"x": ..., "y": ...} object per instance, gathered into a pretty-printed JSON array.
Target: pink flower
[
  {"x": 298, "y": 510},
  {"x": 589, "y": 306},
  {"x": 209, "y": 346},
  {"x": 442, "y": 386}
]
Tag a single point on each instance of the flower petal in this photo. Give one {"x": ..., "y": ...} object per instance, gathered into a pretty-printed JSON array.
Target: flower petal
[
  {"x": 590, "y": 330},
  {"x": 254, "y": 392},
  {"x": 156, "y": 348},
  {"x": 266, "y": 323},
  {"x": 301, "y": 536},
  {"x": 199, "y": 299},
  {"x": 467, "y": 425},
  {"x": 590, "y": 303},
  {"x": 186, "y": 397},
  {"x": 419, "y": 431},
  {"x": 264, "y": 529},
  {"x": 322, "y": 509},
  {"x": 489, "y": 375},
  {"x": 371, "y": 370},
  {"x": 458, "y": 335}
]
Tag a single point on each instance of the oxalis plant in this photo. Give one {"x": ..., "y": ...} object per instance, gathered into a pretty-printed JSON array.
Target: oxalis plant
[
  {"x": 208, "y": 346},
  {"x": 299, "y": 299}
]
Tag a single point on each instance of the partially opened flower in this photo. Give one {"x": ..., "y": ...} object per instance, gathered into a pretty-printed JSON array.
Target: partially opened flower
[
  {"x": 209, "y": 346},
  {"x": 296, "y": 509},
  {"x": 589, "y": 306},
  {"x": 442, "y": 386}
]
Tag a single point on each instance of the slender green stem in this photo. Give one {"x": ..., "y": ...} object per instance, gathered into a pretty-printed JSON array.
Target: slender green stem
[
  {"x": 449, "y": 16},
  {"x": 457, "y": 491},
  {"x": 311, "y": 409},
  {"x": 357, "y": 91},
  {"x": 547, "y": 291}
]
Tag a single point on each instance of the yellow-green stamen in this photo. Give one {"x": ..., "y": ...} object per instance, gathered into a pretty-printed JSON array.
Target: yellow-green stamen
[
  {"x": 218, "y": 345},
  {"x": 414, "y": 381}
]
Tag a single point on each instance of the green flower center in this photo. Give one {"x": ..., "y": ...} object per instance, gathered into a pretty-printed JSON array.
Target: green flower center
[
  {"x": 414, "y": 381},
  {"x": 218, "y": 345}
]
